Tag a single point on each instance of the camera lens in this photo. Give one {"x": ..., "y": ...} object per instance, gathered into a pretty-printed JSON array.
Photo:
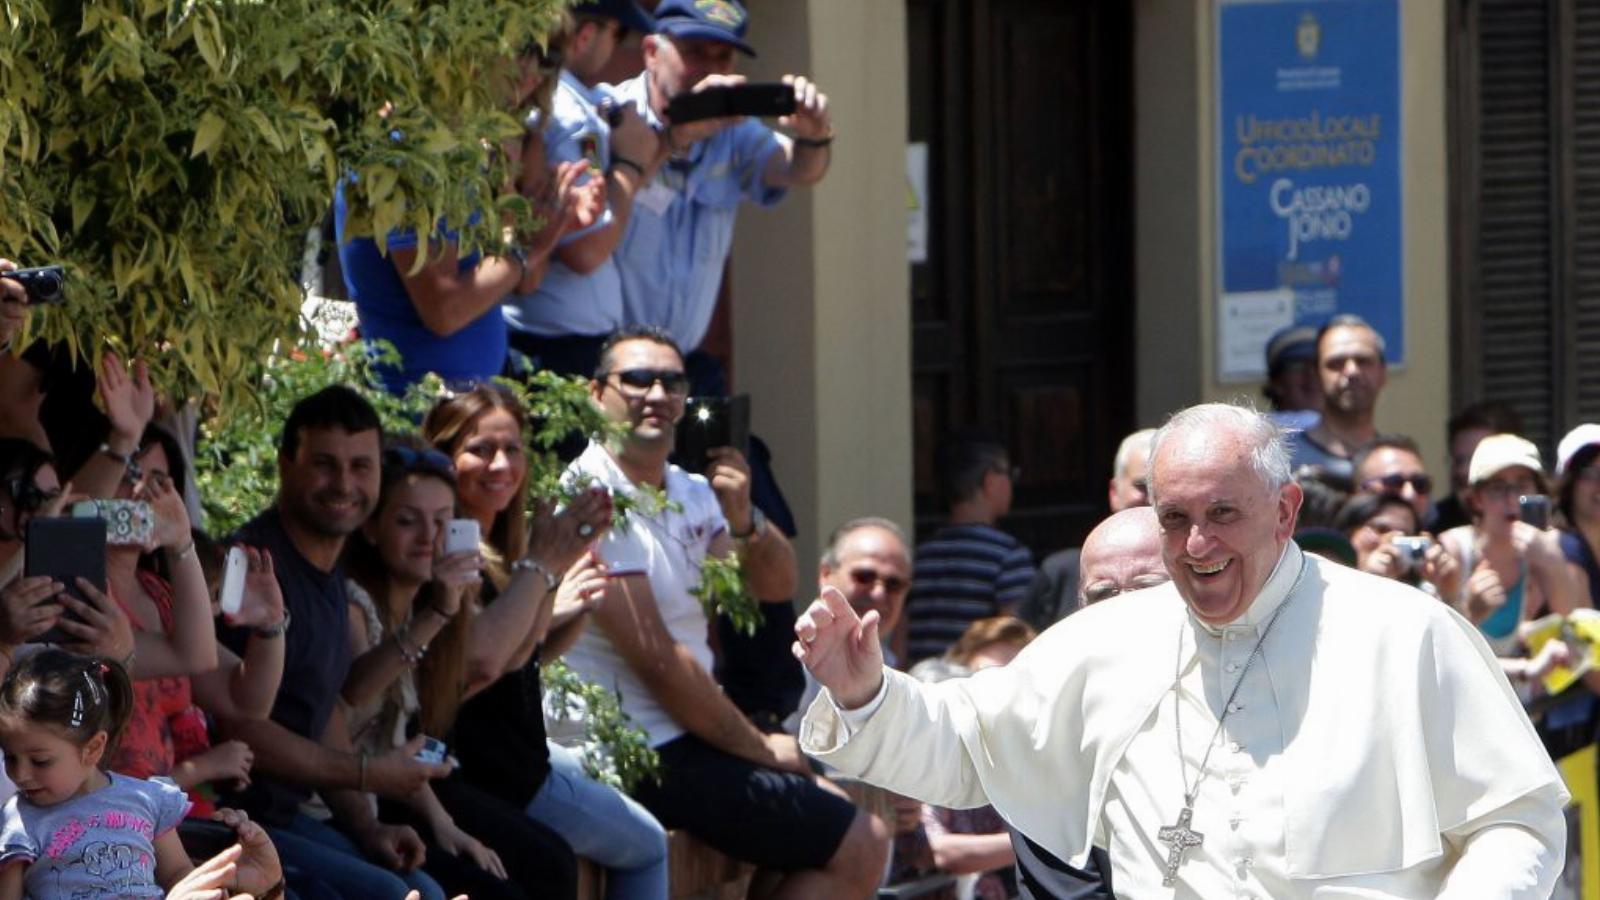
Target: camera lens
[{"x": 45, "y": 286}]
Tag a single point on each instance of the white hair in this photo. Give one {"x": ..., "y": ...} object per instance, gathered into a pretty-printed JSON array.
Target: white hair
[
  {"x": 1126, "y": 448},
  {"x": 1268, "y": 455}
]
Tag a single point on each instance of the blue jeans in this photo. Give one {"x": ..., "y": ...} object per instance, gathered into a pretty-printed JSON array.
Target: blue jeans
[
  {"x": 317, "y": 852},
  {"x": 605, "y": 826}
]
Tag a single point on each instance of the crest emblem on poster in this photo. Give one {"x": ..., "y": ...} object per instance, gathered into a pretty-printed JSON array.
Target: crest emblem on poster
[{"x": 1308, "y": 37}]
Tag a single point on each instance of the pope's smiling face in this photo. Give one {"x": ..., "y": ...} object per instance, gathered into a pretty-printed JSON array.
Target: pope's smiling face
[{"x": 1222, "y": 527}]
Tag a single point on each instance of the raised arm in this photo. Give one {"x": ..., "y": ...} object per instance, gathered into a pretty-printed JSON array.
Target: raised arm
[
  {"x": 245, "y": 688},
  {"x": 805, "y": 157},
  {"x": 765, "y": 555}
]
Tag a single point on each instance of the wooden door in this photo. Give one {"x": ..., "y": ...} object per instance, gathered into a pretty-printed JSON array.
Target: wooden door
[{"x": 1022, "y": 313}]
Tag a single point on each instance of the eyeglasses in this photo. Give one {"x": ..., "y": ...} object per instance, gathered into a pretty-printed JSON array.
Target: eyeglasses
[
  {"x": 1499, "y": 490},
  {"x": 407, "y": 459},
  {"x": 867, "y": 578},
  {"x": 1395, "y": 483},
  {"x": 640, "y": 381},
  {"x": 28, "y": 496}
]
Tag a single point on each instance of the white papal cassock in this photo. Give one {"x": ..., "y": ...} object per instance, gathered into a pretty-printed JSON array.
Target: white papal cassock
[{"x": 1375, "y": 749}]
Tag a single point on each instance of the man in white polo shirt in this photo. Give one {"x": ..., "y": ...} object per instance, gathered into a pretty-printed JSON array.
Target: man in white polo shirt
[{"x": 750, "y": 795}]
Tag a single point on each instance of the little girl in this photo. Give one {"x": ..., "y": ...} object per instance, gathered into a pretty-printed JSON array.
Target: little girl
[{"x": 72, "y": 830}]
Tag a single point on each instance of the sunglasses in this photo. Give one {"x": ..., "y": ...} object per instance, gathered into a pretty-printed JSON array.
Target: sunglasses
[
  {"x": 640, "y": 381},
  {"x": 1105, "y": 590},
  {"x": 1394, "y": 484},
  {"x": 866, "y": 578},
  {"x": 27, "y": 496},
  {"x": 408, "y": 460}
]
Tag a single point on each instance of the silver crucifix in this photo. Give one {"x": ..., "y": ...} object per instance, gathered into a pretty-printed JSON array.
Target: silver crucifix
[{"x": 1180, "y": 838}]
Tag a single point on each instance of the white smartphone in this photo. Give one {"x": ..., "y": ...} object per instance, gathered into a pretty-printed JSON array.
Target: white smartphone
[
  {"x": 231, "y": 595},
  {"x": 460, "y": 536}
]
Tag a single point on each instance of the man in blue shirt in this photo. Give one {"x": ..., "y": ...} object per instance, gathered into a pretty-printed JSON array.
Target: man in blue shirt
[
  {"x": 672, "y": 255},
  {"x": 561, "y": 325}
]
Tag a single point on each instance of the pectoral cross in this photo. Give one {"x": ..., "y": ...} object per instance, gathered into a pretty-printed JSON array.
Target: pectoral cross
[{"x": 1180, "y": 838}]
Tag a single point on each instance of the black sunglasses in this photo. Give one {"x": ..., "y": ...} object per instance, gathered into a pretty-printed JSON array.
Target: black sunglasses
[
  {"x": 672, "y": 381},
  {"x": 867, "y": 578},
  {"x": 28, "y": 496},
  {"x": 409, "y": 460},
  {"x": 1394, "y": 484}
]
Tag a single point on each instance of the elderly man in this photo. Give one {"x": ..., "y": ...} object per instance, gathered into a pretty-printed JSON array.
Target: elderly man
[
  {"x": 751, "y": 795},
  {"x": 1056, "y": 591},
  {"x": 1351, "y": 363},
  {"x": 1319, "y": 758},
  {"x": 1122, "y": 554}
]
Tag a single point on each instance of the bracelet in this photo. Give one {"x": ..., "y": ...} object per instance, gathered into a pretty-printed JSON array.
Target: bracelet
[
  {"x": 182, "y": 554},
  {"x": 628, "y": 163},
  {"x": 361, "y": 771},
  {"x": 521, "y": 256},
  {"x": 529, "y": 564},
  {"x": 813, "y": 142},
  {"x": 127, "y": 662},
  {"x": 125, "y": 458},
  {"x": 274, "y": 631},
  {"x": 274, "y": 892},
  {"x": 411, "y": 654}
]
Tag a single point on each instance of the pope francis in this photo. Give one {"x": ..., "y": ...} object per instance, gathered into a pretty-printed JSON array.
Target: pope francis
[{"x": 1269, "y": 724}]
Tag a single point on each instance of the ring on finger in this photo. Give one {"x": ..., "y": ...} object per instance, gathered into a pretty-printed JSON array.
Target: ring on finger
[{"x": 585, "y": 529}]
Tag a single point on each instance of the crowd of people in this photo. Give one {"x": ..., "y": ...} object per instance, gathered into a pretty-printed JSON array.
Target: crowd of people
[{"x": 366, "y": 717}]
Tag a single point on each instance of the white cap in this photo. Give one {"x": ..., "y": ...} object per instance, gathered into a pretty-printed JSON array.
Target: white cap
[
  {"x": 1585, "y": 435},
  {"x": 1499, "y": 452}
]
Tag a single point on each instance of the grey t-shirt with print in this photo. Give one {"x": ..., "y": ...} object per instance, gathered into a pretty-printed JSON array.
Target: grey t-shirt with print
[{"x": 101, "y": 844}]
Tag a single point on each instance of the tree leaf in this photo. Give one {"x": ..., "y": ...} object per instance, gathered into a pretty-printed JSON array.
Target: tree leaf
[{"x": 207, "y": 133}]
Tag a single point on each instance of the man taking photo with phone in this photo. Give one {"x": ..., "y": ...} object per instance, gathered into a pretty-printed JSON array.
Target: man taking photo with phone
[{"x": 671, "y": 258}]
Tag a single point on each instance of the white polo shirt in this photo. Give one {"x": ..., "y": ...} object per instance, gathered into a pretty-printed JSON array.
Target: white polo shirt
[{"x": 668, "y": 548}]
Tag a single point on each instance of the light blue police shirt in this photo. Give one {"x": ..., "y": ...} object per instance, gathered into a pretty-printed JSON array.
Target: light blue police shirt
[
  {"x": 566, "y": 302},
  {"x": 681, "y": 228}
]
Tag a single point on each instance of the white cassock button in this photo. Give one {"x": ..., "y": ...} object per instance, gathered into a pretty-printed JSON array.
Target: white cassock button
[
  {"x": 1236, "y": 747},
  {"x": 1234, "y": 823},
  {"x": 1233, "y": 667},
  {"x": 1235, "y": 707}
]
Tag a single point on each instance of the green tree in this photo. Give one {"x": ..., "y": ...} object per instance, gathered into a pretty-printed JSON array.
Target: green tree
[{"x": 174, "y": 153}]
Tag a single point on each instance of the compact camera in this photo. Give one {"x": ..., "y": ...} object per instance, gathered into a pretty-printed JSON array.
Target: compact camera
[
  {"x": 44, "y": 284},
  {"x": 1412, "y": 549}
]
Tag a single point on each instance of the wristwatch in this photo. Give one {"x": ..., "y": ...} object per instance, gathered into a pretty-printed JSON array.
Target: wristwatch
[
  {"x": 758, "y": 523},
  {"x": 529, "y": 564},
  {"x": 273, "y": 631}
]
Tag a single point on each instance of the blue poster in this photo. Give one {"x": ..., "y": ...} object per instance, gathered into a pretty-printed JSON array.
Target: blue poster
[{"x": 1308, "y": 172}]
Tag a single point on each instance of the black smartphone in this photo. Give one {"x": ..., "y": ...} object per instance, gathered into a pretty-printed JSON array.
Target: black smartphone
[
  {"x": 45, "y": 284},
  {"x": 711, "y": 422},
  {"x": 1535, "y": 510},
  {"x": 767, "y": 100},
  {"x": 66, "y": 550},
  {"x": 205, "y": 838}
]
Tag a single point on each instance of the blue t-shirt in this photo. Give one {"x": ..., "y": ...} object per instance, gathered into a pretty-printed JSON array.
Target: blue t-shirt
[
  {"x": 101, "y": 844},
  {"x": 475, "y": 353},
  {"x": 316, "y": 657}
]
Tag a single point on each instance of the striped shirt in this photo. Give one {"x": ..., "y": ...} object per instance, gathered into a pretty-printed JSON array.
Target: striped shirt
[{"x": 962, "y": 574}]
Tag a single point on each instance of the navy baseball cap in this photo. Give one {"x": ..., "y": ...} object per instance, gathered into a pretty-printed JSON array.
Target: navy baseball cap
[
  {"x": 1292, "y": 343},
  {"x": 711, "y": 20},
  {"x": 625, "y": 11}
]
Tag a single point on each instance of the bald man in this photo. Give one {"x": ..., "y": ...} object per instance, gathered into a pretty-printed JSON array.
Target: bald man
[{"x": 1122, "y": 554}]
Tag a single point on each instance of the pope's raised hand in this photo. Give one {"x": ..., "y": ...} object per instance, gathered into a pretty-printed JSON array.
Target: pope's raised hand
[{"x": 840, "y": 649}]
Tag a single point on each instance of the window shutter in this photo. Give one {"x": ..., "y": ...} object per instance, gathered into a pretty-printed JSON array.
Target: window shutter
[
  {"x": 1584, "y": 353},
  {"x": 1513, "y": 253}
]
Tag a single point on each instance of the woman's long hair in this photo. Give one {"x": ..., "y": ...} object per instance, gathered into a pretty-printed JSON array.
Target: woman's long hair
[
  {"x": 442, "y": 674},
  {"x": 446, "y": 427}
]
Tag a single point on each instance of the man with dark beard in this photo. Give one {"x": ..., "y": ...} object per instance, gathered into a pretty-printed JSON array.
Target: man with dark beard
[
  {"x": 1353, "y": 371},
  {"x": 328, "y": 469}
]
